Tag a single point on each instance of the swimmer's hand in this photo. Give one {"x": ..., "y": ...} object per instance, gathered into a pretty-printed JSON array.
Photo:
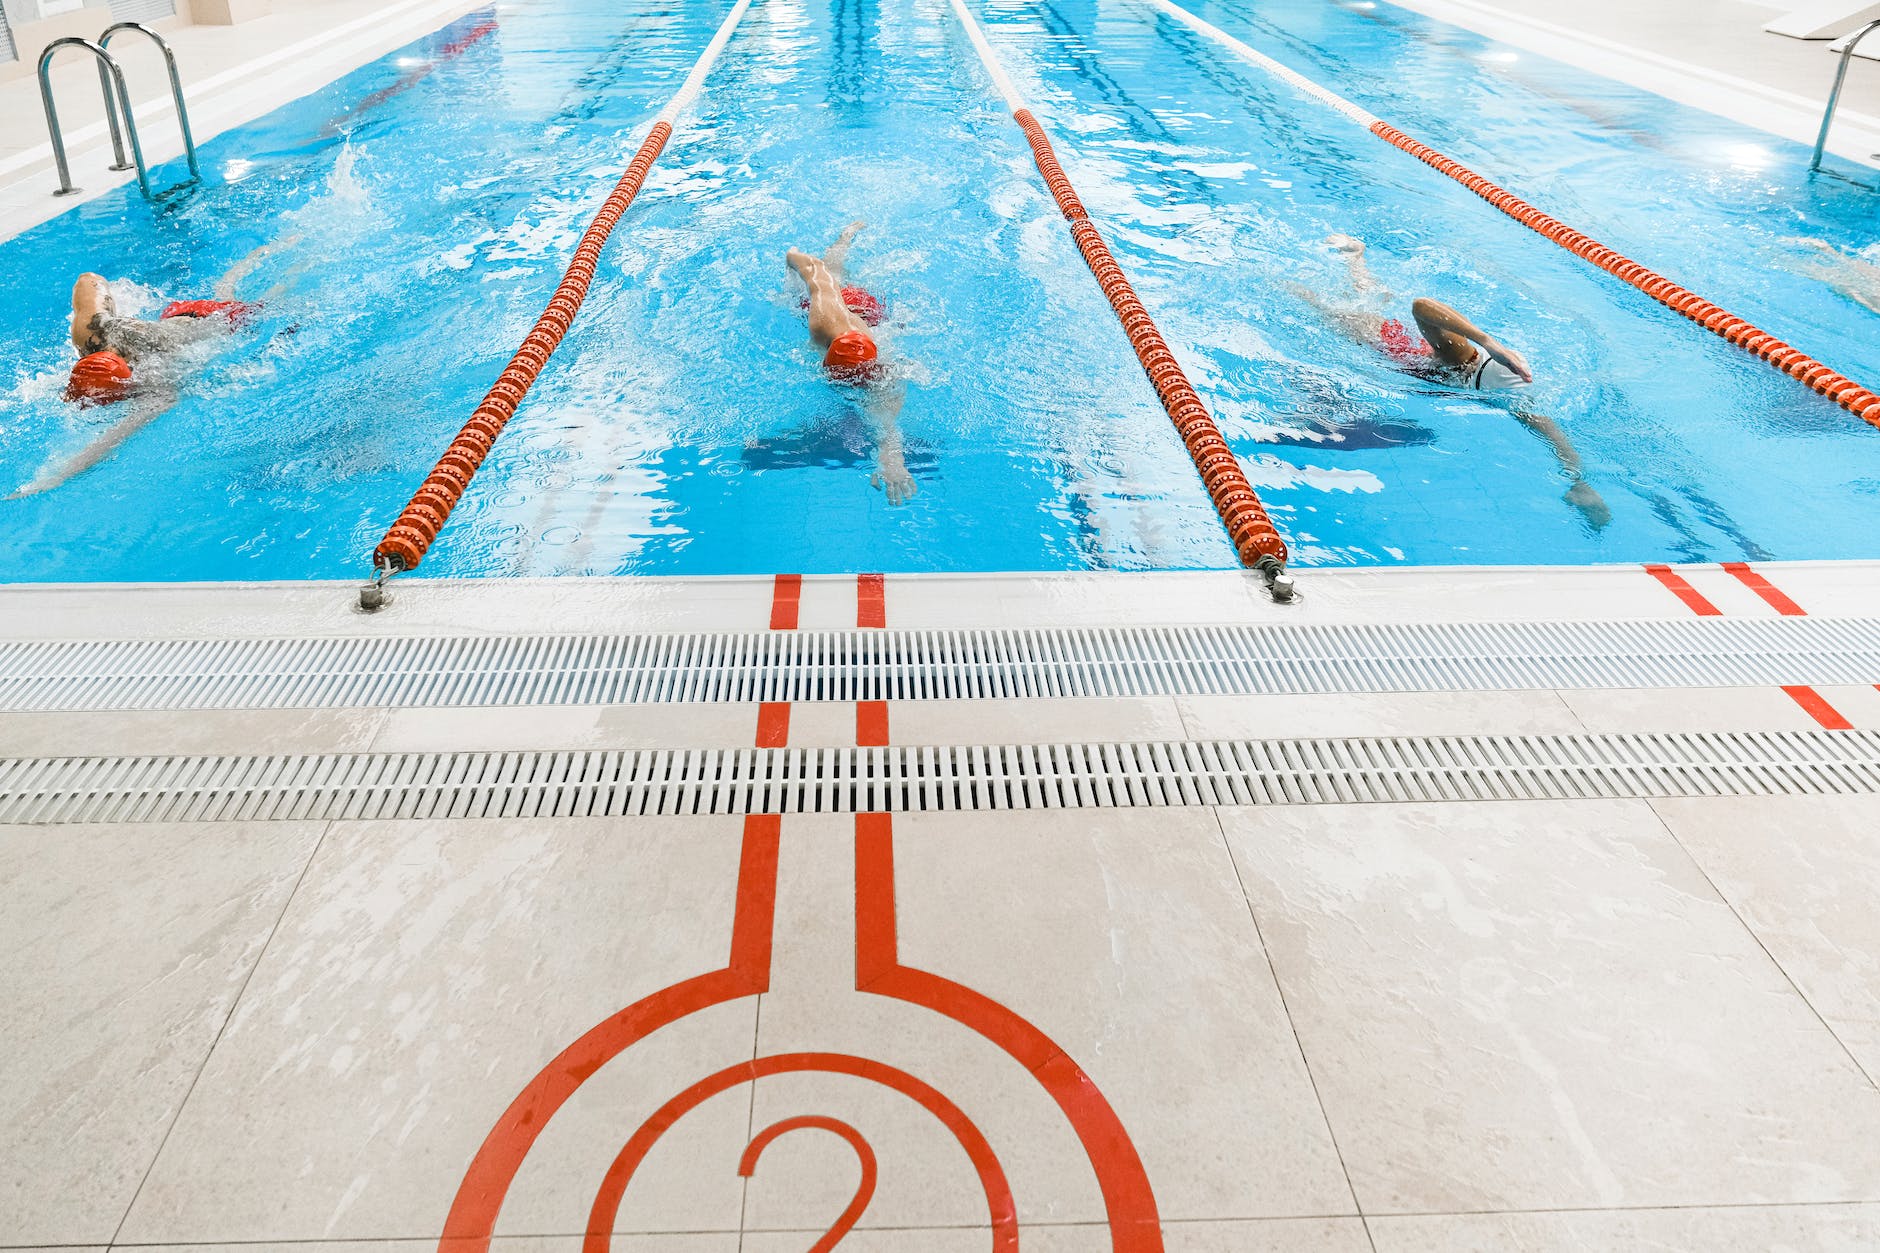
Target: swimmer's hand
[
  {"x": 1591, "y": 505},
  {"x": 1510, "y": 358},
  {"x": 894, "y": 479}
]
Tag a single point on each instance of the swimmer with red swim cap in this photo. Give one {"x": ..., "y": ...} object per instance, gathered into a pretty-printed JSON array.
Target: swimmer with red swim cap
[
  {"x": 1449, "y": 350},
  {"x": 136, "y": 360},
  {"x": 843, "y": 322}
]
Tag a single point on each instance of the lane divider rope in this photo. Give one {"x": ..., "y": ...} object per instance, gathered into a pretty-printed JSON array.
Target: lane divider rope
[
  {"x": 1855, "y": 398},
  {"x": 1251, "y": 529},
  {"x": 430, "y": 507}
]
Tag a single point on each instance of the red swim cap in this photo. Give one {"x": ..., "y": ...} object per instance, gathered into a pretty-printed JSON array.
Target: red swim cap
[
  {"x": 236, "y": 311},
  {"x": 851, "y": 357},
  {"x": 100, "y": 379},
  {"x": 862, "y": 304}
]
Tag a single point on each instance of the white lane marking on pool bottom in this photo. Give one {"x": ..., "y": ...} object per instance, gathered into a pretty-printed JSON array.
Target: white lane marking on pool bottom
[{"x": 1248, "y": 53}]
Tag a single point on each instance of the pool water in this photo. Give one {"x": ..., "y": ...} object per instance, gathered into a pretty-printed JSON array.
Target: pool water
[{"x": 422, "y": 210}]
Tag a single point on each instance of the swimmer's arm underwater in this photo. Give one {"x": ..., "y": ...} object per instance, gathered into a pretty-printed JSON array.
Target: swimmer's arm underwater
[
  {"x": 891, "y": 476},
  {"x": 144, "y": 409},
  {"x": 1581, "y": 495}
]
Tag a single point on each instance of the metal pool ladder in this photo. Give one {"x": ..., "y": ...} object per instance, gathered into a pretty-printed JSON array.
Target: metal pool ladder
[
  {"x": 1840, "y": 81},
  {"x": 110, "y": 79}
]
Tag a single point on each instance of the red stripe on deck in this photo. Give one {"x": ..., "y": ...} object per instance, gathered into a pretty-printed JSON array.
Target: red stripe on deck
[
  {"x": 1771, "y": 594},
  {"x": 1819, "y": 709},
  {"x": 871, "y": 723},
  {"x": 1693, "y": 599},
  {"x": 773, "y": 724},
  {"x": 1817, "y": 706},
  {"x": 871, "y": 603},
  {"x": 785, "y": 600},
  {"x": 1825, "y": 715}
]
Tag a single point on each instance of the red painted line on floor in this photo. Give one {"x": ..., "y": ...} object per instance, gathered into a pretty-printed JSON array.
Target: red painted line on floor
[
  {"x": 1693, "y": 599},
  {"x": 999, "y": 1203},
  {"x": 871, "y": 605},
  {"x": 773, "y": 724},
  {"x": 479, "y": 1200},
  {"x": 1128, "y": 1200},
  {"x": 1811, "y": 701},
  {"x": 1771, "y": 594},
  {"x": 864, "y": 1191},
  {"x": 785, "y": 600},
  {"x": 1814, "y": 703},
  {"x": 871, "y": 723},
  {"x": 1818, "y": 708}
]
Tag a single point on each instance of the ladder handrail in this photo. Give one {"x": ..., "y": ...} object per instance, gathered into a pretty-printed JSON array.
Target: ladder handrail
[
  {"x": 110, "y": 74},
  {"x": 1834, "y": 97},
  {"x": 176, "y": 86}
]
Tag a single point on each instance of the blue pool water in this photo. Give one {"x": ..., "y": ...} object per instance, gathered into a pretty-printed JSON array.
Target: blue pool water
[{"x": 433, "y": 198}]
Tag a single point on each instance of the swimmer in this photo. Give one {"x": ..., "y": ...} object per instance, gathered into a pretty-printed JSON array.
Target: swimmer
[
  {"x": 136, "y": 360},
  {"x": 842, "y": 322},
  {"x": 1853, "y": 277},
  {"x": 1453, "y": 351}
]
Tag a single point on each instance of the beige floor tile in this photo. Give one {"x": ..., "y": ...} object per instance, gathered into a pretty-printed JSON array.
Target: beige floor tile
[
  {"x": 137, "y": 733},
  {"x": 425, "y": 974},
  {"x": 905, "y": 1240},
  {"x": 1276, "y": 1235},
  {"x": 1650, "y": 710},
  {"x": 125, "y": 949},
  {"x": 1744, "y": 1229},
  {"x": 691, "y": 1242},
  {"x": 1544, "y": 1005},
  {"x": 1397, "y": 713},
  {"x": 496, "y": 728},
  {"x": 1264, "y": 1235},
  {"x": 1804, "y": 874},
  {"x": 1123, "y": 937},
  {"x": 1075, "y": 720},
  {"x": 822, "y": 724}
]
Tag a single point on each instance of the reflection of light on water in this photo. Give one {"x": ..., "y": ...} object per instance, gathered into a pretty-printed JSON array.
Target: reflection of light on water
[
  {"x": 1500, "y": 58},
  {"x": 1748, "y": 156}
]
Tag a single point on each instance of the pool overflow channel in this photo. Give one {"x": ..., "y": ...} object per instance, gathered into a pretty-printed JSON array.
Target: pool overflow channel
[{"x": 1256, "y": 539}]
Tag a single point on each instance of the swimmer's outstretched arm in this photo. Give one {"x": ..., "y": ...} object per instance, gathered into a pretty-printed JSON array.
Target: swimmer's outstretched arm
[
  {"x": 227, "y": 285},
  {"x": 1854, "y": 278},
  {"x": 891, "y": 476},
  {"x": 145, "y": 409},
  {"x": 1581, "y": 495}
]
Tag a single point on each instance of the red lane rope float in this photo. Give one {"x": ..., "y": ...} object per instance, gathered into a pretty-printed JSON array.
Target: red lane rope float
[
  {"x": 405, "y": 543},
  {"x": 1844, "y": 391},
  {"x": 1249, "y": 526}
]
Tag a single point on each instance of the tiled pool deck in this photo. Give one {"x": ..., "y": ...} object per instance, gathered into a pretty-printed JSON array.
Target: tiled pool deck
[{"x": 1542, "y": 1024}]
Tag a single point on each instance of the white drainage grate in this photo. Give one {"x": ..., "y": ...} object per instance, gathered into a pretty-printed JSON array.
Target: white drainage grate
[
  {"x": 927, "y": 665},
  {"x": 848, "y": 780}
]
